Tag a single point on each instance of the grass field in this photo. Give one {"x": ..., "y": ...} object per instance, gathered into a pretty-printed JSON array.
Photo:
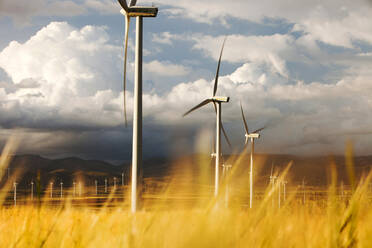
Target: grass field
[
  {"x": 207, "y": 222},
  {"x": 340, "y": 224}
]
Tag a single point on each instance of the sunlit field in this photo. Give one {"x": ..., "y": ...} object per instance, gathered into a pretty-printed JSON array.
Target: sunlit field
[{"x": 184, "y": 213}]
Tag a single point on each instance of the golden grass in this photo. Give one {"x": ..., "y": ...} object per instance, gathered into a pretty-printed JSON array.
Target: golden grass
[{"x": 338, "y": 223}]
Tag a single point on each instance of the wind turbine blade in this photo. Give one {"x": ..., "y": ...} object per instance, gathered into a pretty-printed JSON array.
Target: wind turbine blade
[
  {"x": 132, "y": 3},
  {"x": 245, "y": 122},
  {"x": 259, "y": 130},
  {"x": 127, "y": 23},
  {"x": 198, "y": 106},
  {"x": 218, "y": 69},
  {"x": 224, "y": 134},
  {"x": 124, "y": 5}
]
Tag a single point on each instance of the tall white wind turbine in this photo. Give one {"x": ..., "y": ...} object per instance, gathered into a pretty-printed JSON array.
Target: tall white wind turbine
[
  {"x": 216, "y": 100},
  {"x": 139, "y": 12},
  {"x": 252, "y": 136}
]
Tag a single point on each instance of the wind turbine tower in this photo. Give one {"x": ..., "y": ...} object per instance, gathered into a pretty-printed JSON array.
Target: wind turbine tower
[
  {"x": 304, "y": 191},
  {"x": 272, "y": 183},
  {"x": 32, "y": 190},
  {"x": 74, "y": 184},
  {"x": 96, "y": 183},
  {"x": 15, "y": 193},
  {"x": 285, "y": 190},
  {"x": 51, "y": 190},
  {"x": 250, "y": 136},
  {"x": 105, "y": 185},
  {"x": 139, "y": 13},
  {"x": 79, "y": 189},
  {"x": 225, "y": 171},
  {"x": 61, "y": 189},
  {"x": 279, "y": 192}
]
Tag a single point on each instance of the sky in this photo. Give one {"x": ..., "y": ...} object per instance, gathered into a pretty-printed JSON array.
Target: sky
[{"x": 302, "y": 68}]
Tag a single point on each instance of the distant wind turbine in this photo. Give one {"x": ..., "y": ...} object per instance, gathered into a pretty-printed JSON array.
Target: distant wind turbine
[
  {"x": 285, "y": 190},
  {"x": 15, "y": 193},
  {"x": 279, "y": 191},
  {"x": 61, "y": 189},
  {"x": 216, "y": 100},
  {"x": 74, "y": 184},
  {"x": 105, "y": 185},
  {"x": 251, "y": 136},
  {"x": 272, "y": 183},
  {"x": 225, "y": 171},
  {"x": 96, "y": 183},
  {"x": 139, "y": 13},
  {"x": 304, "y": 190},
  {"x": 32, "y": 190},
  {"x": 79, "y": 189},
  {"x": 51, "y": 189}
]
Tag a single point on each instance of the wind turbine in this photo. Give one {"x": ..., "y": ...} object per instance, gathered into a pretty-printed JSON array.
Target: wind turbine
[
  {"x": 252, "y": 136},
  {"x": 216, "y": 100},
  {"x": 79, "y": 189},
  {"x": 304, "y": 190},
  {"x": 272, "y": 183},
  {"x": 285, "y": 190},
  {"x": 96, "y": 183},
  {"x": 225, "y": 170},
  {"x": 105, "y": 185},
  {"x": 61, "y": 189},
  {"x": 74, "y": 183},
  {"x": 51, "y": 190},
  {"x": 139, "y": 13},
  {"x": 32, "y": 190},
  {"x": 279, "y": 189},
  {"x": 15, "y": 193}
]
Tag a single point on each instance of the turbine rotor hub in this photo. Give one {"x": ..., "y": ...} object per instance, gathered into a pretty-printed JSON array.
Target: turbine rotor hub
[{"x": 220, "y": 99}]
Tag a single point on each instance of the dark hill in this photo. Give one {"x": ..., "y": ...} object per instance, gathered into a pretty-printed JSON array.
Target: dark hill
[{"x": 314, "y": 170}]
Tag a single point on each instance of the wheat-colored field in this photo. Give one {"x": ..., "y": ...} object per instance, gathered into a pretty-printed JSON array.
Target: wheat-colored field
[
  {"x": 208, "y": 222},
  {"x": 340, "y": 224}
]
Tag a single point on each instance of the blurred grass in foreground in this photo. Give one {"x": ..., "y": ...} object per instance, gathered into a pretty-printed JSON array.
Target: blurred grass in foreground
[{"x": 338, "y": 223}]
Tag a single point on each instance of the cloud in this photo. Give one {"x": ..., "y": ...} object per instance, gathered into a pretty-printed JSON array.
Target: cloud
[
  {"x": 58, "y": 65},
  {"x": 103, "y": 6},
  {"x": 334, "y": 22},
  {"x": 239, "y": 48},
  {"x": 165, "y": 38},
  {"x": 67, "y": 80},
  {"x": 165, "y": 69},
  {"x": 21, "y": 11}
]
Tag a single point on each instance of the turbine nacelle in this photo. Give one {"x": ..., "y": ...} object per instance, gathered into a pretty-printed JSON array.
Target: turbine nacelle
[
  {"x": 220, "y": 99},
  {"x": 252, "y": 135},
  {"x": 140, "y": 11}
]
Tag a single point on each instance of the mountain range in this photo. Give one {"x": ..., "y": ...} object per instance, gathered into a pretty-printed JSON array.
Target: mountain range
[{"x": 313, "y": 170}]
